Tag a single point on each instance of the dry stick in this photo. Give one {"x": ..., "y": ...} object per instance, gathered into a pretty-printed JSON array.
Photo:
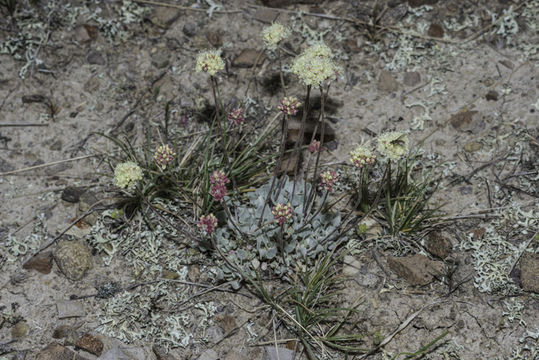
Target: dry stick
[
  {"x": 299, "y": 141},
  {"x": 399, "y": 329},
  {"x": 22, "y": 125},
  {"x": 534, "y": 237},
  {"x": 187, "y": 8},
  {"x": 48, "y": 164},
  {"x": 91, "y": 210}
]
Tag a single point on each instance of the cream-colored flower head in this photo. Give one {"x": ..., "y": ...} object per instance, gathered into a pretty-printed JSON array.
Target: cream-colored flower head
[
  {"x": 127, "y": 174},
  {"x": 392, "y": 145},
  {"x": 210, "y": 61},
  {"x": 362, "y": 156},
  {"x": 273, "y": 34},
  {"x": 315, "y": 65}
]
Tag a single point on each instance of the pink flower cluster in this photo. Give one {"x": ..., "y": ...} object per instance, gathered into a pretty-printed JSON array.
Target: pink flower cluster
[
  {"x": 329, "y": 178},
  {"x": 282, "y": 213},
  {"x": 289, "y": 105},
  {"x": 163, "y": 155},
  {"x": 207, "y": 223},
  {"x": 314, "y": 146},
  {"x": 236, "y": 116},
  {"x": 219, "y": 181}
]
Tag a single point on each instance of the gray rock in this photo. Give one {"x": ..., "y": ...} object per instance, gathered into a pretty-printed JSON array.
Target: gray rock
[
  {"x": 19, "y": 330},
  {"x": 529, "y": 272},
  {"x": 189, "y": 29},
  {"x": 73, "y": 258},
  {"x": 56, "y": 351},
  {"x": 386, "y": 82},
  {"x": 438, "y": 244},
  {"x": 279, "y": 353},
  {"x": 66, "y": 332},
  {"x": 209, "y": 354},
  {"x": 215, "y": 334},
  {"x": 411, "y": 78},
  {"x": 416, "y": 269},
  {"x": 96, "y": 58},
  {"x": 86, "y": 201},
  {"x": 42, "y": 263},
  {"x": 265, "y": 15},
  {"x": 160, "y": 59},
  {"x": 466, "y": 120},
  {"x": 72, "y": 194},
  {"x": 164, "y": 16},
  {"x": 69, "y": 308},
  {"x": 247, "y": 58}
]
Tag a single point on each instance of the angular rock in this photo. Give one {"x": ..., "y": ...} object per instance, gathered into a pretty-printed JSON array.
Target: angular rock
[
  {"x": 411, "y": 78},
  {"x": 464, "y": 120},
  {"x": 66, "y": 332},
  {"x": 215, "y": 334},
  {"x": 72, "y": 194},
  {"x": 351, "y": 266},
  {"x": 42, "y": 263},
  {"x": 19, "y": 330},
  {"x": 247, "y": 58},
  {"x": 492, "y": 95},
  {"x": 164, "y": 16},
  {"x": 386, "y": 82},
  {"x": 418, "y": 3},
  {"x": 209, "y": 354},
  {"x": 438, "y": 244},
  {"x": 85, "y": 33},
  {"x": 294, "y": 127},
  {"x": 96, "y": 58},
  {"x": 73, "y": 258},
  {"x": 435, "y": 30},
  {"x": 279, "y": 353},
  {"x": 416, "y": 269},
  {"x": 529, "y": 272},
  {"x": 160, "y": 59},
  {"x": 472, "y": 146},
  {"x": 161, "y": 354},
  {"x": 69, "y": 308},
  {"x": 265, "y": 15},
  {"x": 227, "y": 322},
  {"x": 91, "y": 344},
  {"x": 127, "y": 352},
  {"x": 189, "y": 29},
  {"x": 86, "y": 201},
  {"x": 214, "y": 38},
  {"x": 56, "y": 351}
]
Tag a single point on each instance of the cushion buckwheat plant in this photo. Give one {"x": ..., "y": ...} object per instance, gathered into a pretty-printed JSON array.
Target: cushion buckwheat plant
[
  {"x": 127, "y": 174},
  {"x": 210, "y": 62},
  {"x": 392, "y": 145},
  {"x": 362, "y": 156},
  {"x": 315, "y": 65},
  {"x": 274, "y": 34}
]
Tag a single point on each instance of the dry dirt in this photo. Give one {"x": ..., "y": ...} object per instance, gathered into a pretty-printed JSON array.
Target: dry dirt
[{"x": 448, "y": 73}]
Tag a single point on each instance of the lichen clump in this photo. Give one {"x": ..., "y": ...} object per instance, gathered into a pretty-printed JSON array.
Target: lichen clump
[
  {"x": 274, "y": 34},
  {"x": 393, "y": 145},
  {"x": 127, "y": 174},
  {"x": 210, "y": 61},
  {"x": 315, "y": 65}
]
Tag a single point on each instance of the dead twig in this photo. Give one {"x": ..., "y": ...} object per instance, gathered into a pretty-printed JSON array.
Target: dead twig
[
  {"x": 21, "y": 125},
  {"x": 41, "y": 166}
]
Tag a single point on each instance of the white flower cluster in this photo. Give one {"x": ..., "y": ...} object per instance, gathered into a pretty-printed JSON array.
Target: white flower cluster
[
  {"x": 315, "y": 65},
  {"x": 127, "y": 174}
]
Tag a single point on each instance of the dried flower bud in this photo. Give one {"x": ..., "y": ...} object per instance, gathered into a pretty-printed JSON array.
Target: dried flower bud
[
  {"x": 207, "y": 224},
  {"x": 282, "y": 213},
  {"x": 163, "y": 155},
  {"x": 289, "y": 105},
  {"x": 314, "y": 146},
  {"x": 236, "y": 116},
  {"x": 329, "y": 178}
]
